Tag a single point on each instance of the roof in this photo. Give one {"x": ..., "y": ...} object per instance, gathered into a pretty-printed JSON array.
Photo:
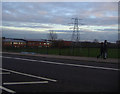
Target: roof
[
  {"x": 38, "y": 40},
  {"x": 41, "y": 40},
  {"x": 13, "y": 40}
]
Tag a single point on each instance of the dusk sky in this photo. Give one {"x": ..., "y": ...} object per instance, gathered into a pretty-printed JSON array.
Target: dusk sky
[{"x": 34, "y": 20}]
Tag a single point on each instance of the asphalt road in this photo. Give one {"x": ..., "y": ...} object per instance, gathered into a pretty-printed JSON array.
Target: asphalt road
[{"x": 38, "y": 74}]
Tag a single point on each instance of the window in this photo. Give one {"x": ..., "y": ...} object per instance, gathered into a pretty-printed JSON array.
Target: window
[
  {"x": 21, "y": 43},
  {"x": 15, "y": 42}
]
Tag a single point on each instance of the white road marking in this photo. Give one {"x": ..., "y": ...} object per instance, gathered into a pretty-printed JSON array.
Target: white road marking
[
  {"x": 8, "y": 90},
  {"x": 19, "y": 83},
  {"x": 94, "y": 67},
  {"x": 30, "y": 75},
  {"x": 4, "y": 72},
  {"x": 49, "y": 62}
]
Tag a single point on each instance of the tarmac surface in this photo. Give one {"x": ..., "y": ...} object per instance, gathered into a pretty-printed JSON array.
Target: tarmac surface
[{"x": 33, "y": 73}]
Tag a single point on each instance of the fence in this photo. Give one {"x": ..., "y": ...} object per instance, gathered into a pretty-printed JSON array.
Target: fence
[{"x": 68, "y": 51}]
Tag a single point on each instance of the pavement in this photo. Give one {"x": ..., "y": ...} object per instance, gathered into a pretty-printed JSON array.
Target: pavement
[{"x": 90, "y": 59}]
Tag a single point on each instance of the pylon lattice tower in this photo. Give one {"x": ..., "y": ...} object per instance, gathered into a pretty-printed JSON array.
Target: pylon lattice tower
[{"x": 76, "y": 34}]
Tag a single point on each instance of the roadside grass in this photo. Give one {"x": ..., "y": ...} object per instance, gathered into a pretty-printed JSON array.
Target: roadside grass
[{"x": 84, "y": 52}]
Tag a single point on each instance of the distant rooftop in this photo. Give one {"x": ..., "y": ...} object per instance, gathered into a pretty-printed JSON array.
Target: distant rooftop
[
  {"x": 35, "y": 40},
  {"x": 13, "y": 40},
  {"x": 23, "y": 40}
]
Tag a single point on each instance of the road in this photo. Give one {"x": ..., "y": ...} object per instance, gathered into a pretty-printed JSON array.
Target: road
[{"x": 39, "y": 74}]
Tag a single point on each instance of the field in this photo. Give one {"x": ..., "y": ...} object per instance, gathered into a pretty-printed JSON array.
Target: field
[{"x": 85, "y": 52}]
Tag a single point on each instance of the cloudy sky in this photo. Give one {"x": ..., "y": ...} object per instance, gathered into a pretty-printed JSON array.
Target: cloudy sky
[{"x": 34, "y": 20}]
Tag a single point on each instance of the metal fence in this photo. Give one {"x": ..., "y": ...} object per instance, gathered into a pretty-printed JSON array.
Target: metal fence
[{"x": 67, "y": 51}]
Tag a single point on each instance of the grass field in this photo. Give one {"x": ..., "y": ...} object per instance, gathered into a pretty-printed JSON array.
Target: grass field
[{"x": 86, "y": 52}]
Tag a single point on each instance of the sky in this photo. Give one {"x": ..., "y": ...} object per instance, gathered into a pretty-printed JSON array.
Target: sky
[{"x": 34, "y": 20}]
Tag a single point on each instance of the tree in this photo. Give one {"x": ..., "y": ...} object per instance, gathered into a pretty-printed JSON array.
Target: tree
[
  {"x": 118, "y": 42},
  {"x": 95, "y": 41},
  {"x": 52, "y": 35}
]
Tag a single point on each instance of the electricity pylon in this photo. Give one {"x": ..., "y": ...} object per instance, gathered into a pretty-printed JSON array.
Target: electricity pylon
[{"x": 76, "y": 34}]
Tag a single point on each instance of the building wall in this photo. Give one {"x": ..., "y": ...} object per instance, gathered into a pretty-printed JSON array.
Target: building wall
[
  {"x": 37, "y": 44},
  {"x": 31, "y": 44},
  {"x": 13, "y": 44}
]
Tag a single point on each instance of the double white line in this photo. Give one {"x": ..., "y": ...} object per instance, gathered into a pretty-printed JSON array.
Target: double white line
[
  {"x": 6, "y": 89},
  {"x": 22, "y": 83},
  {"x": 30, "y": 75},
  {"x": 16, "y": 83}
]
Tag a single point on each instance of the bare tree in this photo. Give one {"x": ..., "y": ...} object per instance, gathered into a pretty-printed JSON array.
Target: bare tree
[
  {"x": 95, "y": 41},
  {"x": 52, "y": 35},
  {"x": 118, "y": 42}
]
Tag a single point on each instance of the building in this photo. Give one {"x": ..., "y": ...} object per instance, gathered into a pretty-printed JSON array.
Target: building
[
  {"x": 37, "y": 43},
  {"x": 67, "y": 43},
  {"x": 8, "y": 42}
]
